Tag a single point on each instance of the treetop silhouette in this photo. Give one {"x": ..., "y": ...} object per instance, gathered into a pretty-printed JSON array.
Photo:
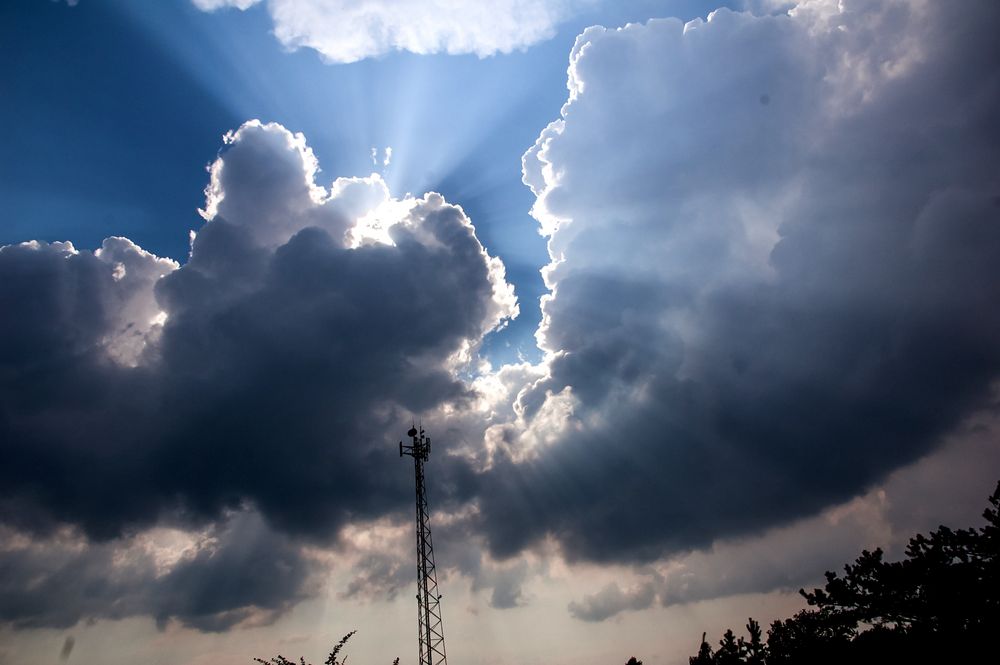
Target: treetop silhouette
[{"x": 940, "y": 603}]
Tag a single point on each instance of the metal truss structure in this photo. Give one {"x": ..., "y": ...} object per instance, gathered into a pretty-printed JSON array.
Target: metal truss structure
[{"x": 430, "y": 630}]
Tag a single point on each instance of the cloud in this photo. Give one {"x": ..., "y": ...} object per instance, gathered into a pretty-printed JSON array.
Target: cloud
[
  {"x": 344, "y": 31},
  {"x": 237, "y": 571},
  {"x": 507, "y": 585},
  {"x": 381, "y": 563},
  {"x": 773, "y": 273},
  {"x": 785, "y": 558},
  {"x": 212, "y": 5},
  {"x": 379, "y": 576},
  {"x": 612, "y": 600},
  {"x": 270, "y": 372},
  {"x": 382, "y": 560},
  {"x": 949, "y": 486}
]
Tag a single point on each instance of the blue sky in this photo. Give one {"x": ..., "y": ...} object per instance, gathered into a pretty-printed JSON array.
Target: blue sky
[{"x": 95, "y": 87}]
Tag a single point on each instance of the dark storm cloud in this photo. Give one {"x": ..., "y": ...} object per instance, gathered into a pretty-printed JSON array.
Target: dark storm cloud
[
  {"x": 269, "y": 371},
  {"x": 241, "y": 571},
  {"x": 73, "y": 407},
  {"x": 758, "y": 310},
  {"x": 253, "y": 571},
  {"x": 945, "y": 487},
  {"x": 284, "y": 360}
]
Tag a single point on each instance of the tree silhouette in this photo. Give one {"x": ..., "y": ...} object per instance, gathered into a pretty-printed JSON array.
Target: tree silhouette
[
  {"x": 753, "y": 651},
  {"x": 729, "y": 650},
  {"x": 704, "y": 656},
  {"x": 938, "y": 604},
  {"x": 333, "y": 659}
]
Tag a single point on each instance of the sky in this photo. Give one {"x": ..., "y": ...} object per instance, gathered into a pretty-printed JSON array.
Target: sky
[{"x": 695, "y": 301}]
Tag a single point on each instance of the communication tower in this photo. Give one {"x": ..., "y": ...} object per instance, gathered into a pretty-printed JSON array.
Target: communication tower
[{"x": 430, "y": 631}]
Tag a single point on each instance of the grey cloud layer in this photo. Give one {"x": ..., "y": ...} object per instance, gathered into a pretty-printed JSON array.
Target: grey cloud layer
[
  {"x": 948, "y": 486},
  {"x": 776, "y": 264},
  {"x": 612, "y": 600},
  {"x": 241, "y": 571}
]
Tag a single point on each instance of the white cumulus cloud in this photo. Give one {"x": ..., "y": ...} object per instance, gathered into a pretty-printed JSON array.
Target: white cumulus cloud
[{"x": 346, "y": 31}]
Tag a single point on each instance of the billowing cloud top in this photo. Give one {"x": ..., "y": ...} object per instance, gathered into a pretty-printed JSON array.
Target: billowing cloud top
[
  {"x": 287, "y": 320},
  {"x": 260, "y": 374},
  {"x": 774, "y": 271},
  {"x": 346, "y": 31}
]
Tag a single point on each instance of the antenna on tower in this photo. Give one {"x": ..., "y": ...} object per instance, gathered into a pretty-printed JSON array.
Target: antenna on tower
[{"x": 430, "y": 630}]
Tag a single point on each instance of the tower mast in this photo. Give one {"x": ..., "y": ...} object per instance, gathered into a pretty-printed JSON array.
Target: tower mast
[{"x": 430, "y": 631}]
